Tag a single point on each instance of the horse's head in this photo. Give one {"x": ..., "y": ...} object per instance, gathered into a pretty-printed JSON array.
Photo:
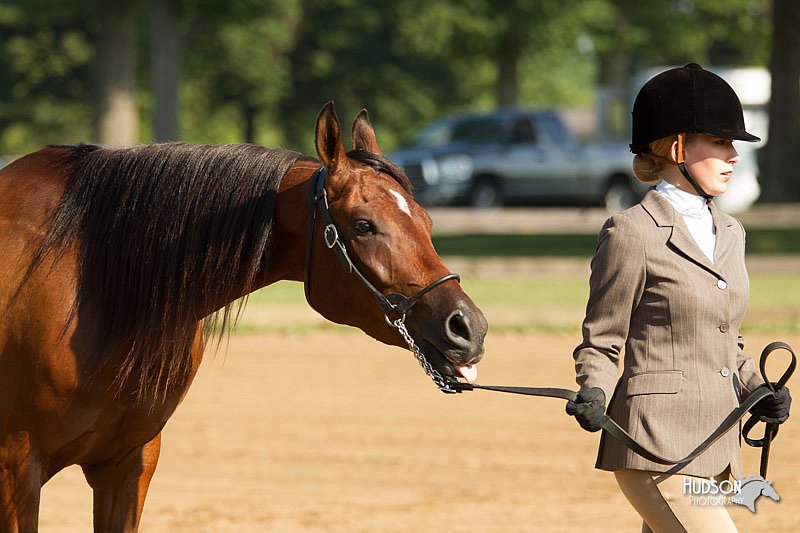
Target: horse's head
[
  {"x": 752, "y": 488},
  {"x": 387, "y": 235},
  {"x": 769, "y": 491}
]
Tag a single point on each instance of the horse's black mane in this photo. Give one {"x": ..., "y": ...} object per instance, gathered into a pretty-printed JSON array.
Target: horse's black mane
[{"x": 166, "y": 233}]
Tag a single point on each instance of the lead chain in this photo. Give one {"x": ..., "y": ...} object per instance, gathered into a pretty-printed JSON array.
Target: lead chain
[{"x": 432, "y": 373}]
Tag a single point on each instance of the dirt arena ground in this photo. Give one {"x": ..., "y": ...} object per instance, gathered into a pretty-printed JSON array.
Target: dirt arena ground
[{"x": 330, "y": 431}]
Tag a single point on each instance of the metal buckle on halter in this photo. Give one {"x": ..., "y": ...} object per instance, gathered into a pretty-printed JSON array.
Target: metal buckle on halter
[
  {"x": 393, "y": 323},
  {"x": 331, "y": 236}
]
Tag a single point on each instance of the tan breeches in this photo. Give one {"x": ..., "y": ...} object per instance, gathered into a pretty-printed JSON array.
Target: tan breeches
[{"x": 660, "y": 500}]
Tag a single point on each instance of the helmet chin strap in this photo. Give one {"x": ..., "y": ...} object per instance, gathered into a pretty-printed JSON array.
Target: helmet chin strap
[
  {"x": 700, "y": 191},
  {"x": 681, "y": 163},
  {"x": 682, "y": 167}
]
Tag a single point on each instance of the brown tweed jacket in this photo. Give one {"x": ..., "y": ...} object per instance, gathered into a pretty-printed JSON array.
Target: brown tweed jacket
[{"x": 677, "y": 315}]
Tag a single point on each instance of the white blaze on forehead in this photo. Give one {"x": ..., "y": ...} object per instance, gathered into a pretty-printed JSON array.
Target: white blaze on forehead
[{"x": 401, "y": 202}]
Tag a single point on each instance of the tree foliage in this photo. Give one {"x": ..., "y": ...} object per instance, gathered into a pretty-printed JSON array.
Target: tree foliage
[
  {"x": 259, "y": 70},
  {"x": 45, "y": 68}
]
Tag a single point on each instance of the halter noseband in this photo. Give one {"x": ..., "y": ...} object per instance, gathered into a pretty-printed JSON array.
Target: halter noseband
[{"x": 393, "y": 303}]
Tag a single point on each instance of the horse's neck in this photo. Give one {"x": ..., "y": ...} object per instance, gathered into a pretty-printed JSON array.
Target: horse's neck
[{"x": 291, "y": 226}]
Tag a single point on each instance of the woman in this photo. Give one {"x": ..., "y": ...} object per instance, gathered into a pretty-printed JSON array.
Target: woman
[{"x": 669, "y": 285}]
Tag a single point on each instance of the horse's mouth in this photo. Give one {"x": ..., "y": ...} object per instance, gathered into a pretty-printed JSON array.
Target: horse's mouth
[{"x": 449, "y": 370}]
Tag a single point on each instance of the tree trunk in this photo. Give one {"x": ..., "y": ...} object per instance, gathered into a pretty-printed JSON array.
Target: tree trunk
[
  {"x": 508, "y": 57},
  {"x": 250, "y": 114},
  {"x": 166, "y": 51},
  {"x": 780, "y": 182},
  {"x": 611, "y": 93},
  {"x": 117, "y": 115}
]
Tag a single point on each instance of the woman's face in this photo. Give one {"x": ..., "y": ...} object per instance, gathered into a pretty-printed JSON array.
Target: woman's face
[{"x": 710, "y": 161}]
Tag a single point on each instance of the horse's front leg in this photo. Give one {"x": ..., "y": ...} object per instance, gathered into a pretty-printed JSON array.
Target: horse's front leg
[
  {"x": 20, "y": 489},
  {"x": 120, "y": 488}
]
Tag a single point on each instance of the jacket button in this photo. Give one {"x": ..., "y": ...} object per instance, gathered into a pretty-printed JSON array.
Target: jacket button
[
  {"x": 725, "y": 372},
  {"x": 721, "y": 284},
  {"x": 723, "y": 327}
]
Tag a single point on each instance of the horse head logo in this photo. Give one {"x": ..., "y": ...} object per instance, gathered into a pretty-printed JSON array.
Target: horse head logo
[{"x": 752, "y": 488}]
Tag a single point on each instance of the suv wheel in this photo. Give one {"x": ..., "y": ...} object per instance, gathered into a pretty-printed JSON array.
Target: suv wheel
[{"x": 486, "y": 193}]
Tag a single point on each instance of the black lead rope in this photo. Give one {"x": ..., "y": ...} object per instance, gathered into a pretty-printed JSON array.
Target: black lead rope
[
  {"x": 399, "y": 304},
  {"x": 727, "y": 424},
  {"x": 770, "y": 430}
]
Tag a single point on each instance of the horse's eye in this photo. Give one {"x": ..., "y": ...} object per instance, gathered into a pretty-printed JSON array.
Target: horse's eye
[{"x": 364, "y": 227}]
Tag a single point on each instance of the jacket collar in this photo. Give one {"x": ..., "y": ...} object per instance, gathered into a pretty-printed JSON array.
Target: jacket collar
[{"x": 664, "y": 215}]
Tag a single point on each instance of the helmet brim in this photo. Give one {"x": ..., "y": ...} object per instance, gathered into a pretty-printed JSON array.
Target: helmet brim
[
  {"x": 737, "y": 135},
  {"x": 744, "y": 136},
  {"x": 732, "y": 135}
]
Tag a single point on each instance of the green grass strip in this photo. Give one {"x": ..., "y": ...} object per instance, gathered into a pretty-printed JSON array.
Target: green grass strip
[{"x": 759, "y": 241}]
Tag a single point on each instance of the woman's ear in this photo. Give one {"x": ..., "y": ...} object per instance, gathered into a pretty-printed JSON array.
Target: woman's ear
[
  {"x": 678, "y": 149},
  {"x": 674, "y": 150}
]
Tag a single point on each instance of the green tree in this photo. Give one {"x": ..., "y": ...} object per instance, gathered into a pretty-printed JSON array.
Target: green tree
[
  {"x": 409, "y": 61},
  {"x": 630, "y": 34},
  {"x": 780, "y": 182},
  {"x": 370, "y": 55},
  {"x": 236, "y": 66},
  {"x": 69, "y": 73},
  {"x": 259, "y": 70},
  {"x": 45, "y": 71}
]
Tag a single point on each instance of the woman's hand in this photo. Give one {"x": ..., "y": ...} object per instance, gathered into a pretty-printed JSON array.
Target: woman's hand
[
  {"x": 774, "y": 409},
  {"x": 590, "y": 407}
]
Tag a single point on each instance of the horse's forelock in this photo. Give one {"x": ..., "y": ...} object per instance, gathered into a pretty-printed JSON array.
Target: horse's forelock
[{"x": 380, "y": 163}]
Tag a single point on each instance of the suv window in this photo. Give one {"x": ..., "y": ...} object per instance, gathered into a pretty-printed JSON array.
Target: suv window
[
  {"x": 473, "y": 129},
  {"x": 477, "y": 129},
  {"x": 522, "y": 132},
  {"x": 554, "y": 129}
]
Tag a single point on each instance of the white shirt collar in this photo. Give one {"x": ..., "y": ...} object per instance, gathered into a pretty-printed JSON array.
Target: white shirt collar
[{"x": 687, "y": 204}]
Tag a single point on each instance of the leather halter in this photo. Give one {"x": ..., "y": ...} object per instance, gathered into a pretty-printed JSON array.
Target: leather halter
[{"x": 393, "y": 303}]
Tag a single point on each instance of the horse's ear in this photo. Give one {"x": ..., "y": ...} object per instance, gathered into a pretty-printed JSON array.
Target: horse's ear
[
  {"x": 364, "y": 135},
  {"x": 328, "y": 138}
]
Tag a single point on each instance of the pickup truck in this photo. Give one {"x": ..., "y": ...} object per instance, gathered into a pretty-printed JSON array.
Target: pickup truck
[{"x": 515, "y": 156}]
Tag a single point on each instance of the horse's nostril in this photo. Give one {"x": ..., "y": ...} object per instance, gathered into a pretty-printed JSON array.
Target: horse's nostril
[{"x": 458, "y": 329}]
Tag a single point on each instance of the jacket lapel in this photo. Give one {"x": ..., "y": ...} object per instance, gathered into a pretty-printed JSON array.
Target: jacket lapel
[
  {"x": 726, "y": 238},
  {"x": 665, "y": 216}
]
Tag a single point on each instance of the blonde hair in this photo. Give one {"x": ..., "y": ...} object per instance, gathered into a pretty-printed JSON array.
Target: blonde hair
[{"x": 649, "y": 170}]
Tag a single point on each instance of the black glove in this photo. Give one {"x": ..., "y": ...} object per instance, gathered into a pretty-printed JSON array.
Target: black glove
[
  {"x": 589, "y": 408},
  {"x": 774, "y": 409}
]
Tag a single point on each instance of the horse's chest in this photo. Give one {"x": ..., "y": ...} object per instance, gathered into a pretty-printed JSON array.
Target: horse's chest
[{"x": 95, "y": 429}]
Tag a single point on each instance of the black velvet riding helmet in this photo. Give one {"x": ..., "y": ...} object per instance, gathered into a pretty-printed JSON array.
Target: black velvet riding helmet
[{"x": 688, "y": 99}]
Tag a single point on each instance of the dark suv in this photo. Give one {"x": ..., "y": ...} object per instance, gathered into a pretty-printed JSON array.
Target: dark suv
[{"x": 513, "y": 156}]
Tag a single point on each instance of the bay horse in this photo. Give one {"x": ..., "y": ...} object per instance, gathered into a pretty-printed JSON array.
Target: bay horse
[{"x": 119, "y": 262}]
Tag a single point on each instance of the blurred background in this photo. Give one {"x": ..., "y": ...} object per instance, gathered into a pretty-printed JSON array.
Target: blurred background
[
  {"x": 120, "y": 72},
  {"x": 216, "y": 71}
]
